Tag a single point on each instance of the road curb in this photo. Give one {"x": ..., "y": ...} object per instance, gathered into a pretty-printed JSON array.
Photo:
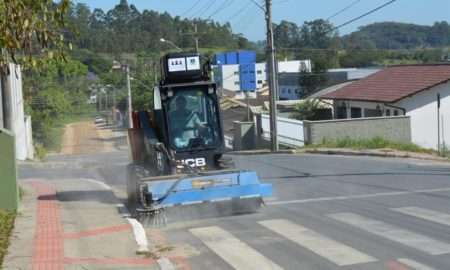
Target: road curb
[
  {"x": 261, "y": 152},
  {"x": 347, "y": 152}
]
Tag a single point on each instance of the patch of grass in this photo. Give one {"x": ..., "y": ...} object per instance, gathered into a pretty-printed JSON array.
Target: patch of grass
[
  {"x": 6, "y": 226},
  {"x": 374, "y": 143},
  {"x": 40, "y": 151}
]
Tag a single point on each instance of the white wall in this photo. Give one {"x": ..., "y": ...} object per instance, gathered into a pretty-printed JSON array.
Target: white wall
[
  {"x": 261, "y": 75},
  {"x": 18, "y": 125},
  {"x": 422, "y": 108},
  {"x": 18, "y": 115},
  {"x": 290, "y": 132},
  {"x": 294, "y": 66},
  {"x": 230, "y": 77}
]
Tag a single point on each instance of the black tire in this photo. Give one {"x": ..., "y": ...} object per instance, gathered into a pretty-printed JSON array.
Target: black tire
[
  {"x": 132, "y": 188},
  {"x": 246, "y": 206}
]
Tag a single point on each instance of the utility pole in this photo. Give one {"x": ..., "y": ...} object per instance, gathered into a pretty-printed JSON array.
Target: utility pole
[
  {"x": 1, "y": 101},
  {"x": 272, "y": 77},
  {"x": 196, "y": 37},
  {"x": 439, "y": 122},
  {"x": 130, "y": 107}
]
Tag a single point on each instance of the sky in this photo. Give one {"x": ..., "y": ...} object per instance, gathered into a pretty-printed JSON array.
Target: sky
[{"x": 246, "y": 18}]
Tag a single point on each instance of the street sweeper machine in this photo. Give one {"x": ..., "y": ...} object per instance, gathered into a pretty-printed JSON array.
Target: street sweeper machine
[{"x": 177, "y": 148}]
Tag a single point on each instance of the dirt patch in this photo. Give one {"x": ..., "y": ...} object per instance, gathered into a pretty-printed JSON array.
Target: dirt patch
[{"x": 85, "y": 138}]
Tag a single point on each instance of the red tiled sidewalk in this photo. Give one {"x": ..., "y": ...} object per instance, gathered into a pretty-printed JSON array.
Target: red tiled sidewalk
[
  {"x": 96, "y": 232},
  {"x": 48, "y": 244}
]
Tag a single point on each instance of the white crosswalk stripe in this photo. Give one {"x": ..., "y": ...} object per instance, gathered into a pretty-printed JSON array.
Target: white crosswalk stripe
[
  {"x": 335, "y": 252},
  {"x": 235, "y": 252},
  {"x": 394, "y": 233},
  {"x": 414, "y": 265},
  {"x": 430, "y": 215}
]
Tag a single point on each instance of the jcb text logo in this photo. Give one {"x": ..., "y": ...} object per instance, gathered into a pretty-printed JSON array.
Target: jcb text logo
[{"x": 194, "y": 162}]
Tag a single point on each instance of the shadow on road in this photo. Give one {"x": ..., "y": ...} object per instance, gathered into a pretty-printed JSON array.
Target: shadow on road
[{"x": 102, "y": 196}]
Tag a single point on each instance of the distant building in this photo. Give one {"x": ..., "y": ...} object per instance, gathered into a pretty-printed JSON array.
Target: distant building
[
  {"x": 290, "y": 88},
  {"x": 410, "y": 90},
  {"x": 239, "y": 72}
]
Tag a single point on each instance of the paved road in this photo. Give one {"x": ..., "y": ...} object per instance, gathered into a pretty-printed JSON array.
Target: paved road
[{"x": 328, "y": 212}]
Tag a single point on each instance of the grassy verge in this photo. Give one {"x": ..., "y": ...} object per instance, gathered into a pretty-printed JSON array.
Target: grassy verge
[
  {"x": 375, "y": 143},
  {"x": 6, "y": 226},
  {"x": 57, "y": 131}
]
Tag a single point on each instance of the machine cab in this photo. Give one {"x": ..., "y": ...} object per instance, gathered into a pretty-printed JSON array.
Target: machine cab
[{"x": 187, "y": 102}]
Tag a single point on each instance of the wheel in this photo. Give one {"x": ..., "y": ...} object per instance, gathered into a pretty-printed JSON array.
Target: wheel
[
  {"x": 246, "y": 206},
  {"x": 132, "y": 188}
]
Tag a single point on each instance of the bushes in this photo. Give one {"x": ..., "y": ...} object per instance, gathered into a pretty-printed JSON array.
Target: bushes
[
  {"x": 310, "y": 109},
  {"x": 374, "y": 143},
  {"x": 6, "y": 226}
]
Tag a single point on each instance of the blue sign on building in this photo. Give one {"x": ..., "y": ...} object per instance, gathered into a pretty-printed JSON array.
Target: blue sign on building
[
  {"x": 247, "y": 65},
  {"x": 247, "y": 77}
]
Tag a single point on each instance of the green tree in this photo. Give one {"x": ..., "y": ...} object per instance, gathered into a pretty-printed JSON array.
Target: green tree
[
  {"x": 33, "y": 30},
  {"x": 308, "y": 110}
]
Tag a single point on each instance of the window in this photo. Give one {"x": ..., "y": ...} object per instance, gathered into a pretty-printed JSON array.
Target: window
[
  {"x": 395, "y": 112},
  {"x": 236, "y": 73},
  {"x": 192, "y": 119},
  {"x": 341, "y": 112},
  {"x": 237, "y": 83},
  {"x": 260, "y": 81},
  {"x": 356, "y": 112},
  {"x": 289, "y": 91},
  {"x": 373, "y": 112},
  {"x": 259, "y": 71},
  {"x": 252, "y": 81},
  {"x": 388, "y": 112},
  {"x": 296, "y": 91}
]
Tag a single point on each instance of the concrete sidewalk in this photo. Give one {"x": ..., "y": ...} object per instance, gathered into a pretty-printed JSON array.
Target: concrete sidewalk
[{"x": 72, "y": 224}]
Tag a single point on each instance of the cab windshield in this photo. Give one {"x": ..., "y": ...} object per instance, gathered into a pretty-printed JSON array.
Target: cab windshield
[{"x": 193, "y": 122}]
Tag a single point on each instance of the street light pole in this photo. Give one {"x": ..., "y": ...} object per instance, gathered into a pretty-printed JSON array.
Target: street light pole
[
  {"x": 272, "y": 77},
  {"x": 163, "y": 40},
  {"x": 130, "y": 106}
]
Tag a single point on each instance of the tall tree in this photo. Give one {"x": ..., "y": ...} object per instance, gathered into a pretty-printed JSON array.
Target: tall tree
[{"x": 32, "y": 29}]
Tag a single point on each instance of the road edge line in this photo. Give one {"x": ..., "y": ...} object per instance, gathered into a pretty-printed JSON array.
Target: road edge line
[{"x": 139, "y": 235}]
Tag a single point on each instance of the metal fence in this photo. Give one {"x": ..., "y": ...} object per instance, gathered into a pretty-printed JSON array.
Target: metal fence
[{"x": 290, "y": 132}]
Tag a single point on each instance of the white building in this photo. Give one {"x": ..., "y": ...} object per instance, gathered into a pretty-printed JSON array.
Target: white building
[
  {"x": 410, "y": 90},
  {"x": 15, "y": 119},
  {"x": 228, "y": 76},
  {"x": 294, "y": 66}
]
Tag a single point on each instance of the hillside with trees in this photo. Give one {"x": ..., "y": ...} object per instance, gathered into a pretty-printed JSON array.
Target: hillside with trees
[
  {"x": 394, "y": 36},
  {"x": 125, "y": 29}
]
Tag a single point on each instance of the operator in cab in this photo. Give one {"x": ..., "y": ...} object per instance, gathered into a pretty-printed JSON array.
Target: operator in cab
[{"x": 186, "y": 123}]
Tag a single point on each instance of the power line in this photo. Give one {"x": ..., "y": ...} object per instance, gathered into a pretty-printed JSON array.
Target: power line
[
  {"x": 344, "y": 9},
  {"x": 239, "y": 11},
  {"x": 191, "y": 8},
  {"x": 260, "y": 6},
  {"x": 221, "y": 8},
  {"x": 205, "y": 8},
  {"x": 362, "y": 16}
]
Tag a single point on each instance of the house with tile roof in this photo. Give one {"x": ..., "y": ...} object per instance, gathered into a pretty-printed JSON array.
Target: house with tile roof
[{"x": 412, "y": 90}]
